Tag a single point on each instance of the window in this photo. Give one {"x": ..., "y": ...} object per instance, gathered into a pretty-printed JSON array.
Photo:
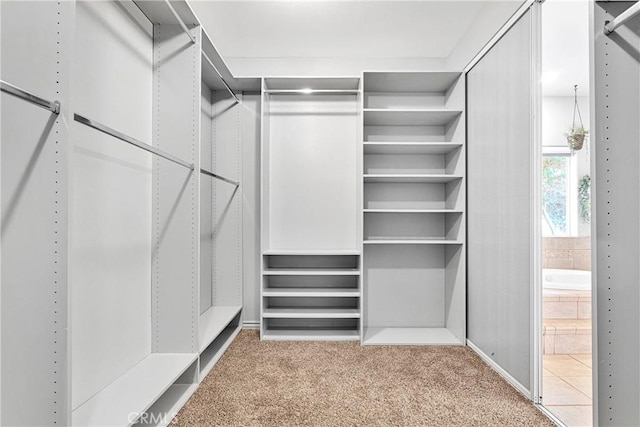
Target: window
[{"x": 559, "y": 184}]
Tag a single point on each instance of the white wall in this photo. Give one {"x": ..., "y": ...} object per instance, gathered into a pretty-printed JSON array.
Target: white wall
[
  {"x": 557, "y": 116},
  {"x": 489, "y": 20}
]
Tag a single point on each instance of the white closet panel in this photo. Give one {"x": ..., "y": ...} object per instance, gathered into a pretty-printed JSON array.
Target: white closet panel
[
  {"x": 111, "y": 197},
  {"x": 312, "y": 190},
  {"x": 616, "y": 213},
  {"x": 36, "y": 39},
  {"x": 499, "y": 202}
]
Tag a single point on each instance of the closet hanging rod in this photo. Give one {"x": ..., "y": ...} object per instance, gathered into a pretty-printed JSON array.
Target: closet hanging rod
[
  {"x": 146, "y": 147},
  {"x": 204, "y": 55},
  {"x": 180, "y": 21},
  {"x": 610, "y": 26},
  {"x": 213, "y": 175},
  {"x": 54, "y": 106},
  {"x": 313, "y": 91}
]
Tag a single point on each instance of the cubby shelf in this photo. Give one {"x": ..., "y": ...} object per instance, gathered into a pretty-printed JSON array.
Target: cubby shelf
[
  {"x": 213, "y": 321},
  {"x": 311, "y": 292},
  {"x": 311, "y": 272},
  {"x": 412, "y": 242},
  {"x": 425, "y": 211},
  {"x": 212, "y": 354},
  {"x": 409, "y": 336},
  {"x": 311, "y": 252},
  {"x": 409, "y": 117},
  {"x": 411, "y": 178},
  {"x": 170, "y": 403},
  {"x": 134, "y": 392},
  {"x": 311, "y": 335},
  {"x": 311, "y": 313},
  {"x": 410, "y": 81},
  {"x": 410, "y": 147}
]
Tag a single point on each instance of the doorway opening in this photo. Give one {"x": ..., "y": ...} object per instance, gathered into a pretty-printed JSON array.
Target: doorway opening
[{"x": 566, "y": 231}]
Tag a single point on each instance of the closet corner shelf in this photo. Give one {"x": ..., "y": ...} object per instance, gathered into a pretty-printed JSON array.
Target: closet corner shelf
[
  {"x": 411, "y": 178},
  {"x": 311, "y": 313},
  {"x": 412, "y": 242},
  {"x": 135, "y": 391},
  {"x": 311, "y": 292},
  {"x": 414, "y": 117},
  {"x": 311, "y": 272},
  {"x": 310, "y": 335},
  {"x": 214, "y": 321},
  {"x": 410, "y": 336},
  {"x": 410, "y": 147},
  {"x": 313, "y": 252}
]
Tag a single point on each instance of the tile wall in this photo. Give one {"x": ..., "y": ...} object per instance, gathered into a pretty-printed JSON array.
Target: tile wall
[{"x": 567, "y": 253}]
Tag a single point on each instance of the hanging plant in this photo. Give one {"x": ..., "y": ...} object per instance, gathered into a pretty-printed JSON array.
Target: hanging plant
[
  {"x": 576, "y": 138},
  {"x": 584, "y": 198},
  {"x": 577, "y": 134}
]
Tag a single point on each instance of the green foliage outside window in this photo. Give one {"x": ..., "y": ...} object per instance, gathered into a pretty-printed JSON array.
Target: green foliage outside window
[{"x": 554, "y": 193}]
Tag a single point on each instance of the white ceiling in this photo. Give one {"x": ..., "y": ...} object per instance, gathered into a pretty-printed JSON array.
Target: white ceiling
[
  {"x": 337, "y": 29},
  {"x": 565, "y": 47},
  {"x": 347, "y": 29}
]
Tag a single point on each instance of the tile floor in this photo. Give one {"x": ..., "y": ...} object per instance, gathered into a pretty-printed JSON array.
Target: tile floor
[{"x": 566, "y": 388}]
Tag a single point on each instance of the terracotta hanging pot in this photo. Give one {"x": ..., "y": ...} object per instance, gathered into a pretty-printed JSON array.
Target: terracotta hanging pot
[
  {"x": 577, "y": 134},
  {"x": 576, "y": 141}
]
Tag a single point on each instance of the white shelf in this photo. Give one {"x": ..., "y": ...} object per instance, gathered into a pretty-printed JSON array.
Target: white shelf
[
  {"x": 311, "y": 313},
  {"x": 310, "y": 335},
  {"x": 410, "y": 147},
  {"x": 134, "y": 392},
  {"x": 311, "y": 292},
  {"x": 411, "y": 178},
  {"x": 425, "y": 211},
  {"x": 311, "y": 272},
  {"x": 409, "y": 81},
  {"x": 417, "y": 117},
  {"x": 169, "y": 404},
  {"x": 213, "y": 321},
  {"x": 412, "y": 242},
  {"x": 314, "y": 83},
  {"x": 312, "y": 252},
  {"x": 409, "y": 336}
]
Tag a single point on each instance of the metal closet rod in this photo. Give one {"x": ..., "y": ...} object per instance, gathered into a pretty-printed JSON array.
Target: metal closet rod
[
  {"x": 146, "y": 147},
  {"x": 313, "y": 91},
  {"x": 204, "y": 55},
  {"x": 222, "y": 178},
  {"x": 180, "y": 21},
  {"x": 54, "y": 106},
  {"x": 610, "y": 26}
]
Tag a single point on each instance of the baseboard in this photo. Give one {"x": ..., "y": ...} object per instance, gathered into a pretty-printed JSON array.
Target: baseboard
[
  {"x": 251, "y": 324},
  {"x": 504, "y": 374}
]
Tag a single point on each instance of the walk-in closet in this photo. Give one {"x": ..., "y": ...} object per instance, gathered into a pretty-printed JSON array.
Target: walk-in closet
[{"x": 317, "y": 212}]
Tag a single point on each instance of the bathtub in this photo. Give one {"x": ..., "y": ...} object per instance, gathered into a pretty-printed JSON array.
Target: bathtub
[{"x": 570, "y": 280}]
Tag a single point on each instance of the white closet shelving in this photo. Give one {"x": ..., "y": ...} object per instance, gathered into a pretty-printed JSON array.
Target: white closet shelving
[
  {"x": 310, "y": 261},
  {"x": 413, "y": 208},
  {"x": 220, "y": 209},
  {"x": 153, "y": 296}
]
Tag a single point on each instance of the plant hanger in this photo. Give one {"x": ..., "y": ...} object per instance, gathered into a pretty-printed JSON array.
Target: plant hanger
[{"x": 577, "y": 135}]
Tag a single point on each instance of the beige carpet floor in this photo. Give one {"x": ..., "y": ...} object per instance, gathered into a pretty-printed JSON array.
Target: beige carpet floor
[{"x": 344, "y": 384}]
